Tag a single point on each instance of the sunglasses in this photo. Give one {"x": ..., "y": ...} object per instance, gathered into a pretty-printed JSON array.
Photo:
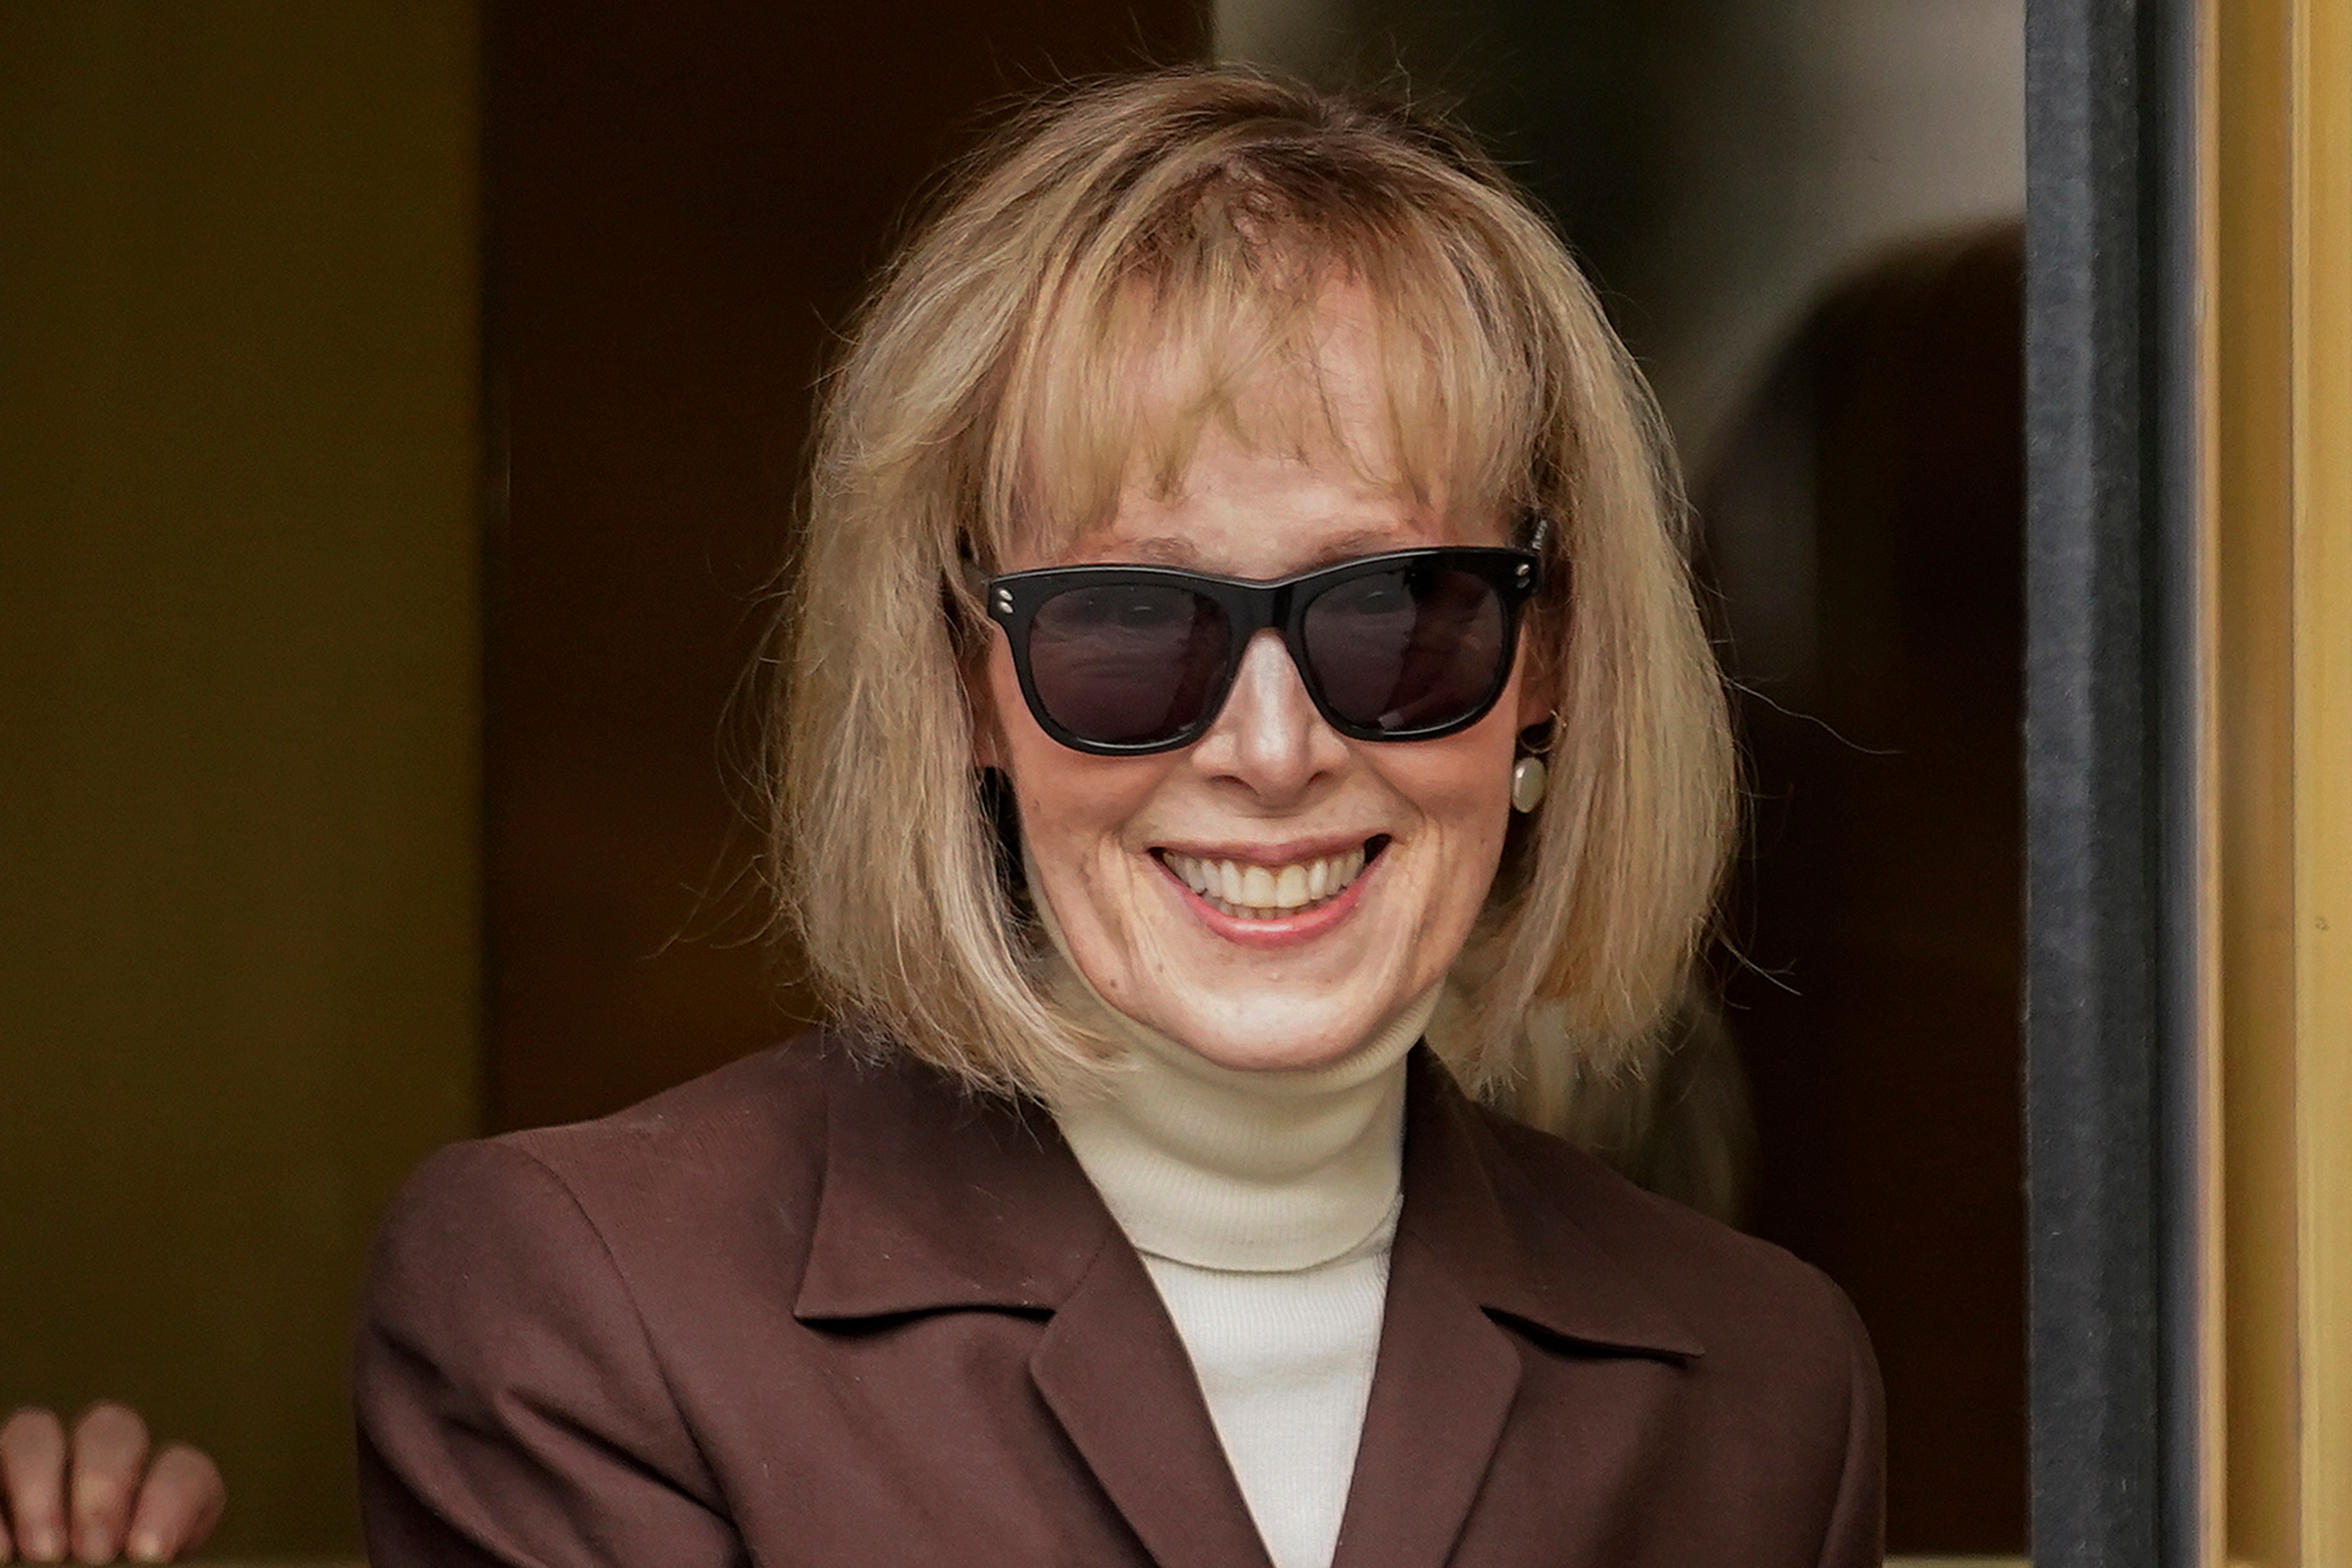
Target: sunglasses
[{"x": 1124, "y": 660}]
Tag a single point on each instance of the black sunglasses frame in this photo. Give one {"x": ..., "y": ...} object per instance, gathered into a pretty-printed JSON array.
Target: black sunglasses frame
[{"x": 1252, "y": 605}]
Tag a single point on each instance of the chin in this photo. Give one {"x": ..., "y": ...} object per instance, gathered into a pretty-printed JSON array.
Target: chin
[{"x": 1254, "y": 1036}]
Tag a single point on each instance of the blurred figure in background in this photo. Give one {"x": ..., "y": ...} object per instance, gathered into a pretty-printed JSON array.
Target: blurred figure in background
[{"x": 1678, "y": 1121}]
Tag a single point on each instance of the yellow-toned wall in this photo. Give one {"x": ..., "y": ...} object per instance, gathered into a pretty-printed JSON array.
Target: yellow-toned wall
[
  {"x": 238, "y": 702},
  {"x": 2321, "y": 609},
  {"x": 2279, "y": 241},
  {"x": 2254, "y": 741}
]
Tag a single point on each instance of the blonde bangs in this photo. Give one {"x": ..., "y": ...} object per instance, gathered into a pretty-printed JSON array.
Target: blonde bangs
[{"x": 1211, "y": 308}]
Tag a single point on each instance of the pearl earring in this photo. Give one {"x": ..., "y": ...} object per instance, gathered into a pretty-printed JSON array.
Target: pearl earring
[{"x": 1528, "y": 779}]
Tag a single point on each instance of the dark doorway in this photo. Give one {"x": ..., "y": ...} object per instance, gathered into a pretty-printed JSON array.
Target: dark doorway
[
  {"x": 683, "y": 203},
  {"x": 1865, "y": 527}
]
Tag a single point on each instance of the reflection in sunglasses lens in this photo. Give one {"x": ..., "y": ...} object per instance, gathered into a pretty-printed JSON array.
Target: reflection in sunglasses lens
[
  {"x": 1412, "y": 649},
  {"x": 1127, "y": 664}
]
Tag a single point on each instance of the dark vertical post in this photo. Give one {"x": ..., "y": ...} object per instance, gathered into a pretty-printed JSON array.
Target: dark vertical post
[{"x": 2110, "y": 758}]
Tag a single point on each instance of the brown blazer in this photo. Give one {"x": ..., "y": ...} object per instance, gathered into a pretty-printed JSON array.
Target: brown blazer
[{"x": 809, "y": 1312}]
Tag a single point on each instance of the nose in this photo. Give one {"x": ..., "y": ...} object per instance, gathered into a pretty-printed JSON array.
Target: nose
[{"x": 1269, "y": 737}]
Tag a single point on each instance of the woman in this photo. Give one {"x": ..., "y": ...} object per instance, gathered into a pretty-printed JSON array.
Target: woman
[{"x": 1242, "y": 630}]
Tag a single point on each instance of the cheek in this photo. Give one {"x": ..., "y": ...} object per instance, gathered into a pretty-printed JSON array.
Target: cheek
[
  {"x": 1461, "y": 788},
  {"x": 1462, "y": 785}
]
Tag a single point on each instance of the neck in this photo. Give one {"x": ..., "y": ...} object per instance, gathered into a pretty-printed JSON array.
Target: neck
[{"x": 1250, "y": 1171}]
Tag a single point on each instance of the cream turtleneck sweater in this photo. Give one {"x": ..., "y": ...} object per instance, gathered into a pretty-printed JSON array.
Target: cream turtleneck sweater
[{"x": 1264, "y": 1205}]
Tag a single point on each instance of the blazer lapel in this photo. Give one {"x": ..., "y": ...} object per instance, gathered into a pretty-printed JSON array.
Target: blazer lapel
[
  {"x": 938, "y": 1201},
  {"x": 1442, "y": 1389},
  {"x": 1113, "y": 1371},
  {"x": 1475, "y": 1243}
]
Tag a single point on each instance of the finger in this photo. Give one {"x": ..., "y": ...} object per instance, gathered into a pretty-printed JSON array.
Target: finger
[
  {"x": 178, "y": 1506},
  {"x": 33, "y": 1477},
  {"x": 110, "y": 1453}
]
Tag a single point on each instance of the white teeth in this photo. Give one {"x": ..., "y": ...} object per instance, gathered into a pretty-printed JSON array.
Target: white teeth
[{"x": 1251, "y": 891}]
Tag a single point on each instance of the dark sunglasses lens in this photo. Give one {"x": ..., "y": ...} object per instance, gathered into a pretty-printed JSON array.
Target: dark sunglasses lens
[
  {"x": 1127, "y": 664},
  {"x": 1412, "y": 649}
]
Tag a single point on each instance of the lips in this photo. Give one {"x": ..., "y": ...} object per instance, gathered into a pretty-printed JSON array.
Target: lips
[{"x": 1248, "y": 889}]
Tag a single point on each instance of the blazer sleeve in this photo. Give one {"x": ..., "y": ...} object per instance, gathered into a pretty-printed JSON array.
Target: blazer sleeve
[
  {"x": 510, "y": 1408},
  {"x": 1857, "y": 1530}
]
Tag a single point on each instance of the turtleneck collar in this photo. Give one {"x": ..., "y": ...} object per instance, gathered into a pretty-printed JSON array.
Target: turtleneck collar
[{"x": 1220, "y": 1168}]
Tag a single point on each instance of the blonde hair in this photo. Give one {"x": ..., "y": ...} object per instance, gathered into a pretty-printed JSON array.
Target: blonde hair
[{"x": 991, "y": 392}]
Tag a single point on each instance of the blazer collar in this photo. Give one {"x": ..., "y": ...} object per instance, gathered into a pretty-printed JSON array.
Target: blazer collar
[
  {"x": 1478, "y": 1243},
  {"x": 936, "y": 1199},
  {"x": 1508, "y": 1244}
]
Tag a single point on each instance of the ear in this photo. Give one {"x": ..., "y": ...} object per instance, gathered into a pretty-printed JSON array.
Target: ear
[
  {"x": 1535, "y": 704},
  {"x": 1538, "y": 685}
]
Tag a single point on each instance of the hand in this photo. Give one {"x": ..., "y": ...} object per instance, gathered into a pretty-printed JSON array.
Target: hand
[{"x": 118, "y": 1502}]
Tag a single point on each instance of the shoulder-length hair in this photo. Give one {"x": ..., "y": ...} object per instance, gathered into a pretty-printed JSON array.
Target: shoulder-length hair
[{"x": 1114, "y": 274}]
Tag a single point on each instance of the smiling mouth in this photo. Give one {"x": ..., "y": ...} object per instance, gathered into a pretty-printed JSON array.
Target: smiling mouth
[{"x": 1243, "y": 890}]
